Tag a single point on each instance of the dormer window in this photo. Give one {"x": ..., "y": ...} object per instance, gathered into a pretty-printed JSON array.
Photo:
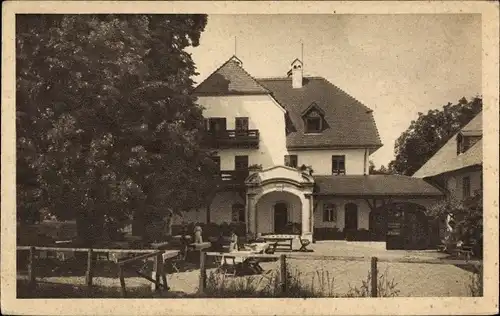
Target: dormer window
[
  {"x": 467, "y": 139},
  {"x": 313, "y": 119},
  {"x": 313, "y": 124}
]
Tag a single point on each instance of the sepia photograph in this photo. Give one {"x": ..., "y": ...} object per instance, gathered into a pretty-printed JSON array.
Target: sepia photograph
[{"x": 278, "y": 155}]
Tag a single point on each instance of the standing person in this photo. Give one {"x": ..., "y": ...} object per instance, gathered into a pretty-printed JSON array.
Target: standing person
[
  {"x": 197, "y": 235},
  {"x": 233, "y": 245}
]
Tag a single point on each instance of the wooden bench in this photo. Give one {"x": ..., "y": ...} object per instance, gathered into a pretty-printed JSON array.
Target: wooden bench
[{"x": 283, "y": 242}]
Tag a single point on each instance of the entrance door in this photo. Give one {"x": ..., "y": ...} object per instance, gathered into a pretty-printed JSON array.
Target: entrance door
[
  {"x": 280, "y": 217},
  {"x": 351, "y": 216}
]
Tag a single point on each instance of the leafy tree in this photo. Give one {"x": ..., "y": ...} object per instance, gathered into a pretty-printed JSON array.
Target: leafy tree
[
  {"x": 373, "y": 170},
  {"x": 429, "y": 133},
  {"x": 106, "y": 124}
]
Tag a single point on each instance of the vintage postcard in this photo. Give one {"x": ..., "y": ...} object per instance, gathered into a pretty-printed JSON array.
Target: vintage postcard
[{"x": 234, "y": 158}]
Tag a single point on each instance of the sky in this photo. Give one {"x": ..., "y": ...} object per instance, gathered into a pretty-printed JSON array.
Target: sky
[{"x": 397, "y": 65}]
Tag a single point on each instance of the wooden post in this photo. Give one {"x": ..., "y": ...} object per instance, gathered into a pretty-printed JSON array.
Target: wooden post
[
  {"x": 163, "y": 273},
  {"x": 122, "y": 280},
  {"x": 157, "y": 272},
  {"x": 89, "y": 273},
  {"x": 203, "y": 273},
  {"x": 283, "y": 274},
  {"x": 374, "y": 276},
  {"x": 31, "y": 268}
]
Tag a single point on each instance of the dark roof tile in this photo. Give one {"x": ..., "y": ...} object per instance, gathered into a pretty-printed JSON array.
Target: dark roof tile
[
  {"x": 348, "y": 121},
  {"x": 228, "y": 79},
  {"x": 374, "y": 185}
]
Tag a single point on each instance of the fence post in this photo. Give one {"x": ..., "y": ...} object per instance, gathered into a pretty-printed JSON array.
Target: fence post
[
  {"x": 203, "y": 273},
  {"x": 284, "y": 281},
  {"x": 374, "y": 276},
  {"x": 157, "y": 272},
  {"x": 122, "y": 280},
  {"x": 163, "y": 273},
  {"x": 89, "y": 273},
  {"x": 31, "y": 268}
]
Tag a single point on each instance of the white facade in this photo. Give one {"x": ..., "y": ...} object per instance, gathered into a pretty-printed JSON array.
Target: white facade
[
  {"x": 263, "y": 114},
  {"x": 456, "y": 186},
  {"x": 356, "y": 160}
]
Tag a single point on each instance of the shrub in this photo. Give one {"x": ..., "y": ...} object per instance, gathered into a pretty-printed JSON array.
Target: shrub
[
  {"x": 476, "y": 283},
  {"x": 467, "y": 221}
]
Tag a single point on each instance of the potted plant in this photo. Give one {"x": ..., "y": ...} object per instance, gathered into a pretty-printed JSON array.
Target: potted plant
[
  {"x": 255, "y": 167},
  {"x": 307, "y": 169}
]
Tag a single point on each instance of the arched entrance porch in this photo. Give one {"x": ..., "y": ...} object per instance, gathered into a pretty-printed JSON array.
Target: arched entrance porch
[
  {"x": 279, "y": 200},
  {"x": 279, "y": 212}
]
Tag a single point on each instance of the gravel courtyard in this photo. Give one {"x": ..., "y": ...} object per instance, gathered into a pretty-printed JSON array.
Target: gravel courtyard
[{"x": 418, "y": 280}]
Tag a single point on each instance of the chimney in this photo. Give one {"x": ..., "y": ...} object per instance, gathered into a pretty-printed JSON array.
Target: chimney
[{"x": 296, "y": 73}]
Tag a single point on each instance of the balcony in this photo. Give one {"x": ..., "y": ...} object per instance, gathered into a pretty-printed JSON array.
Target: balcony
[
  {"x": 232, "y": 139},
  {"x": 233, "y": 178}
]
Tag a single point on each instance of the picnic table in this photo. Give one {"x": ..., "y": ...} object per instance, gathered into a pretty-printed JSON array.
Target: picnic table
[
  {"x": 284, "y": 241},
  {"x": 231, "y": 263}
]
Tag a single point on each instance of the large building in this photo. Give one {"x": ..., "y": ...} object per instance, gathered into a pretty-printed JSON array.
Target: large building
[{"x": 294, "y": 151}]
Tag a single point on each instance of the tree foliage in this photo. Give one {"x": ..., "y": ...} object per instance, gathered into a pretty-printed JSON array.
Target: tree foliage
[
  {"x": 106, "y": 124},
  {"x": 429, "y": 133},
  {"x": 382, "y": 170}
]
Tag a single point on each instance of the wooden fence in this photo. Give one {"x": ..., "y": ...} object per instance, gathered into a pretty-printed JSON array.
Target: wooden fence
[
  {"x": 283, "y": 259},
  {"x": 159, "y": 274}
]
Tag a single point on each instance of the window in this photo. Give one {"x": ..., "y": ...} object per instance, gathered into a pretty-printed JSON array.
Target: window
[
  {"x": 466, "y": 187},
  {"x": 241, "y": 124},
  {"x": 464, "y": 142},
  {"x": 291, "y": 161},
  {"x": 238, "y": 213},
  {"x": 313, "y": 124},
  {"x": 216, "y": 160},
  {"x": 329, "y": 212},
  {"x": 216, "y": 124},
  {"x": 240, "y": 162},
  {"x": 338, "y": 164}
]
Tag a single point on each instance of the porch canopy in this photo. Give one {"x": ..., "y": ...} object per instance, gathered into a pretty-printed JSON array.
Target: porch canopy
[{"x": 374, "y": 186}]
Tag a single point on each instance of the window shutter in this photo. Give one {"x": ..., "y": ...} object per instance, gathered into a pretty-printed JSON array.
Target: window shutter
[{"x": 287, "y": 160}]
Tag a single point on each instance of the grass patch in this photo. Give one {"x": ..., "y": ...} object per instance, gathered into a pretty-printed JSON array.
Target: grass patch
[
  {"x": 321, "y": 285},
  {"x": 59, "y": 290}
]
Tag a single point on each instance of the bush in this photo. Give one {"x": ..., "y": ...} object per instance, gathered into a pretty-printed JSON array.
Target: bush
[
  {"x": 328, "y": 233},
  {"x": 362, "y": 235},
  {"x": 467, "y": 221},
  {"x": 476, "y": 283}
]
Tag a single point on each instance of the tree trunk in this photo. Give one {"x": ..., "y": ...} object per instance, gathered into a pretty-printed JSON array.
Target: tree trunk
[{"x": 168, "y": 224}]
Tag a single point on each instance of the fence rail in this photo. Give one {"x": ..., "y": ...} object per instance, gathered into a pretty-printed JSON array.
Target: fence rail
[
  {"x": 283, "y": 258},
  {"x": 158, "y": 271},
  {"x": 119, "y": 250}
]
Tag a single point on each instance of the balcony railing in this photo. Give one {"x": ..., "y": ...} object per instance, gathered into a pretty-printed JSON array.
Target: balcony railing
[
  {"x": 231, "y": 178},
  {"x": 233, "y": 139}
]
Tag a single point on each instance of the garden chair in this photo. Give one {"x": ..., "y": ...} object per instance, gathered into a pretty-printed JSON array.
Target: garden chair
[
  {"x": 179, "y": 259},
  {"x": 303, "y": 244},
  {"x": 228, "y": 266}
]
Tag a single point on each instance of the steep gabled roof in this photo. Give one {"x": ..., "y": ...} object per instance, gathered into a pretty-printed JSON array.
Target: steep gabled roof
[
  {"x": 230, "y": 79},
  {"x": 312, "y": 106},
  {"x": 446, "y": 158},
  {"x": 374, "y": 185},
  {"x": 348, "y": 122}
]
